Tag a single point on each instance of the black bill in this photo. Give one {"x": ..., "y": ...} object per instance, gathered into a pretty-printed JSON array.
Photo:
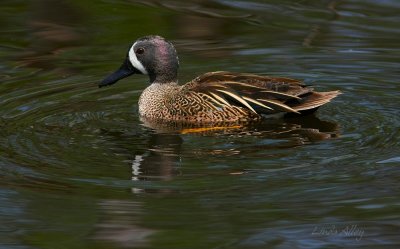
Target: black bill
[{"x": 124, "y": 71}]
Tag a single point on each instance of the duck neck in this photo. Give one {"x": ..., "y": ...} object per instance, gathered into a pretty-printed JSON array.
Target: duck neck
[
  {"x": 163, "y": 78},
  {"x": 164, "y": 70}
]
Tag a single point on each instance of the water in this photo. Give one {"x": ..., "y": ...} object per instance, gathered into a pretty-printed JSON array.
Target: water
[{"x": 79, "y": 169}]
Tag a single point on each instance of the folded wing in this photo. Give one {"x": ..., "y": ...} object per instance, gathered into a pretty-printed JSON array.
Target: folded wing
[{"x": 259, "y": 94}]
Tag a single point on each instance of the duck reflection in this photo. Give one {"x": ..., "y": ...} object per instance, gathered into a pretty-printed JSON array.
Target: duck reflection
[
  {"x": 160, "y": 161},
  {"x": 309, "y": 126},
  {"x": 163, "y": 154},
  {"x": 120, "y": 222}
]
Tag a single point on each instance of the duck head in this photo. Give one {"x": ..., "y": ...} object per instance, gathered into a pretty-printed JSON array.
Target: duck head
[{"x": 151, "y": 55}]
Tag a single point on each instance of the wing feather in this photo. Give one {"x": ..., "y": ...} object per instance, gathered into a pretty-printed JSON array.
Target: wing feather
[
  {"x": 248, "y": 91},
  {"x": 238, "y": 98}
]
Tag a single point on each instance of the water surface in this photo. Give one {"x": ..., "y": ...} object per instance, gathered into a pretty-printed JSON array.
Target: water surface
[{"x": 79, "y": 169}]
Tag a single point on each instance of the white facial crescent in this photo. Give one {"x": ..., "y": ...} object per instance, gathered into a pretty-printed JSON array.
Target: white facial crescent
[{"x": 135, "y": 62}]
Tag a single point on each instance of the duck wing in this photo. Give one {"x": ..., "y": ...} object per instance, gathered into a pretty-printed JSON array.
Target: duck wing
[{"x": 259, "y": 94}]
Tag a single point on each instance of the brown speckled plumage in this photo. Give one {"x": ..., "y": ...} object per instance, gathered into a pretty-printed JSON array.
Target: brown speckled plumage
[
  {"x": 177, "y": 103},
  {"x": 212, "y": 97},
  {"x": 206, "y": 98}
]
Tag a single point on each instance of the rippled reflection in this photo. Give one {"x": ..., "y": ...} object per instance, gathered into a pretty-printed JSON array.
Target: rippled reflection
[
  {"x": 118, "y": 224},
  {"x": 159, "y": 162},
  {"x": 163, "y": 152},
  {"x": 53, "y": 33}
]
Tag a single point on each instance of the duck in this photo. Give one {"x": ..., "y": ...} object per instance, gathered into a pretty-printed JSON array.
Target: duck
[{"x": 213, "y": 97}]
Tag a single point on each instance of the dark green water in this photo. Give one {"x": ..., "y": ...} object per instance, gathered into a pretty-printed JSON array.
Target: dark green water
[{"x": 78, "y": 169}]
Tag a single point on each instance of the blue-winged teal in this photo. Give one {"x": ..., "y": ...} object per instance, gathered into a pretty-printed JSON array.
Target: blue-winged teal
[{"x": 212, "y": 97}]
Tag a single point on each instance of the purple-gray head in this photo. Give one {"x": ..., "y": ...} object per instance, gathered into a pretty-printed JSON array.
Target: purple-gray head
[{"x": 151, "y": 55}]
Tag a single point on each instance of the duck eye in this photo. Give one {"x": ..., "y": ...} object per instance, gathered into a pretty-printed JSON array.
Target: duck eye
[{"x": 140, "y": 50}]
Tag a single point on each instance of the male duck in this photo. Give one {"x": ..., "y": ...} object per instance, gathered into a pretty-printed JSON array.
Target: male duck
[{"x": 212, "y": 97}]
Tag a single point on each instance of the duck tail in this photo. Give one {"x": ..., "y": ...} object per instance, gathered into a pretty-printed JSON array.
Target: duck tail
[{"x": 315, "y": 100}]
